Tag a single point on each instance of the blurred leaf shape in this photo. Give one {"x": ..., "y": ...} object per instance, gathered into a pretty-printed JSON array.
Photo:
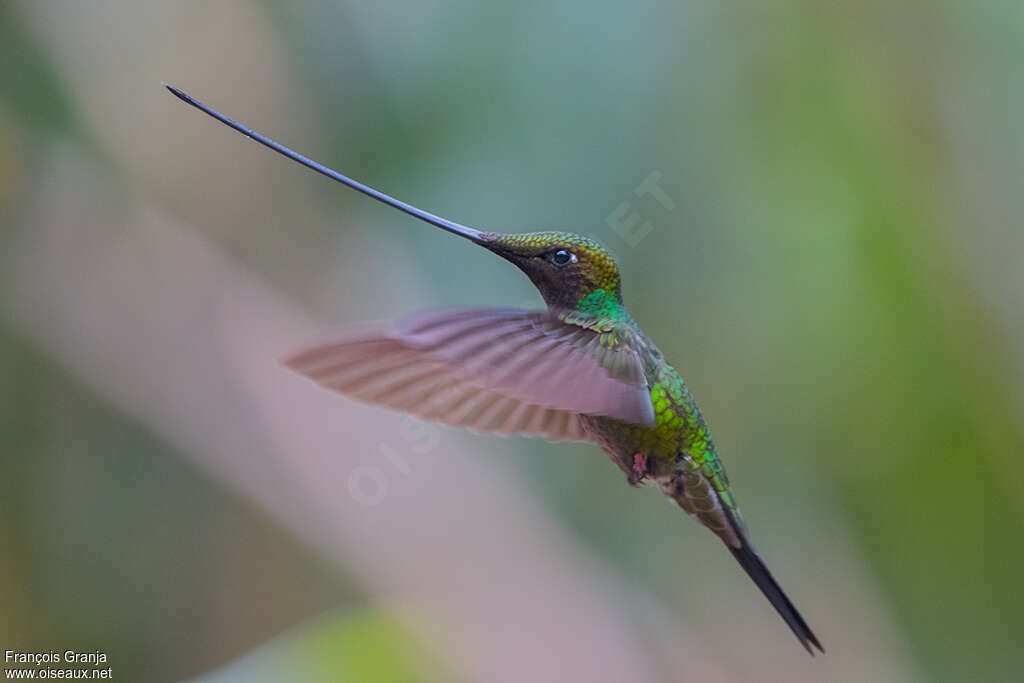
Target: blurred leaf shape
[{"x": 368, "y": 646}]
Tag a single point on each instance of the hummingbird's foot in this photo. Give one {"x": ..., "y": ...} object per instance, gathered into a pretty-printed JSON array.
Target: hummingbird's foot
[{"x": 639, "y": 472}]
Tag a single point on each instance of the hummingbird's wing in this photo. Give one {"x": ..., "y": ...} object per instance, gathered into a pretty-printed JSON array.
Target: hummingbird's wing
[{"x": 503, "y": 370}]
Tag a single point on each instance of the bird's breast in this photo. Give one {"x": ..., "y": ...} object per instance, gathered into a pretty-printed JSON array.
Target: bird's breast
[{"x": 677, "y": 422}]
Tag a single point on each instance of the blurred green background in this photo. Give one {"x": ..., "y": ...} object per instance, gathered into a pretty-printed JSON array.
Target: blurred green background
[{"x": 837, "y": 273}]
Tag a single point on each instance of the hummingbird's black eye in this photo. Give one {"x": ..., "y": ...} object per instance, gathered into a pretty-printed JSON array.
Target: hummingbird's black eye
[{"x": 563, "y": 257}]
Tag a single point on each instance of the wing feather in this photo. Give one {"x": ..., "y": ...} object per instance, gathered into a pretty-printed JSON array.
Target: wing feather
[{"x": 501, "y": 370}]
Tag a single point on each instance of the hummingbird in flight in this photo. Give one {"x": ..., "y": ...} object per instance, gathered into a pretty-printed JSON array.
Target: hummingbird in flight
[{"x": 581, "y": 370}]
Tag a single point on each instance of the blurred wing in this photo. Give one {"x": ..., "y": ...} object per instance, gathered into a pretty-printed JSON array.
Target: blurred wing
[{"x": 507, "y": 371}]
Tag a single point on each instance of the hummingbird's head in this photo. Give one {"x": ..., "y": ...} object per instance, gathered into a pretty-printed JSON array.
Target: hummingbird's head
[{"x": 571, "y": 272}]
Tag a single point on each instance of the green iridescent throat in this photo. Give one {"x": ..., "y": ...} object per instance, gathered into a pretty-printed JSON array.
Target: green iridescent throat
[{"x": 604, "y": 305}]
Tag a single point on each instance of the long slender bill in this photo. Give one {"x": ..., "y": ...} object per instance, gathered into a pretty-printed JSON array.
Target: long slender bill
[{"x": 443, "y": 223}]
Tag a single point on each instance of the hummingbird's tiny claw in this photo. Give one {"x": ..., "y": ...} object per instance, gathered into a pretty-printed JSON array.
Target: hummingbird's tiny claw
[{"x": 639, "y": 472}]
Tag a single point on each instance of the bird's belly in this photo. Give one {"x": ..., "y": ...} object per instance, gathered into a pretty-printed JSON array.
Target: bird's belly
[{"x": 622, "y": 441}]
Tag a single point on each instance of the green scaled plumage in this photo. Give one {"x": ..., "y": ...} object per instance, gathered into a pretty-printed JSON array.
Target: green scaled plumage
[
  {"x": 676, "y": 452},
  {"x": 581, "y": 370}
]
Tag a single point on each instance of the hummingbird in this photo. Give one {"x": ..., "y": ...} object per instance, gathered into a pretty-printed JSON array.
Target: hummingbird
[{"x": 580, "y": 370}]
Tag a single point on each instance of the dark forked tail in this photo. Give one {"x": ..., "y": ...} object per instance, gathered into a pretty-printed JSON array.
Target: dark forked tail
[{"x": 756, "y": 570}]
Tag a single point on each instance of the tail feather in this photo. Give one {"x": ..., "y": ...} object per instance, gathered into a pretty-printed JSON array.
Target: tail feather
[{"x": 756, "y": 569}]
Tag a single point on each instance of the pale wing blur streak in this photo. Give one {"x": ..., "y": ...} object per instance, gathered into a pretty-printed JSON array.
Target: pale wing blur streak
[
  {"x": 386, "y": 372},
  {"x": 164, "y": 326},
  {"x": 491, "y": 370}
]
